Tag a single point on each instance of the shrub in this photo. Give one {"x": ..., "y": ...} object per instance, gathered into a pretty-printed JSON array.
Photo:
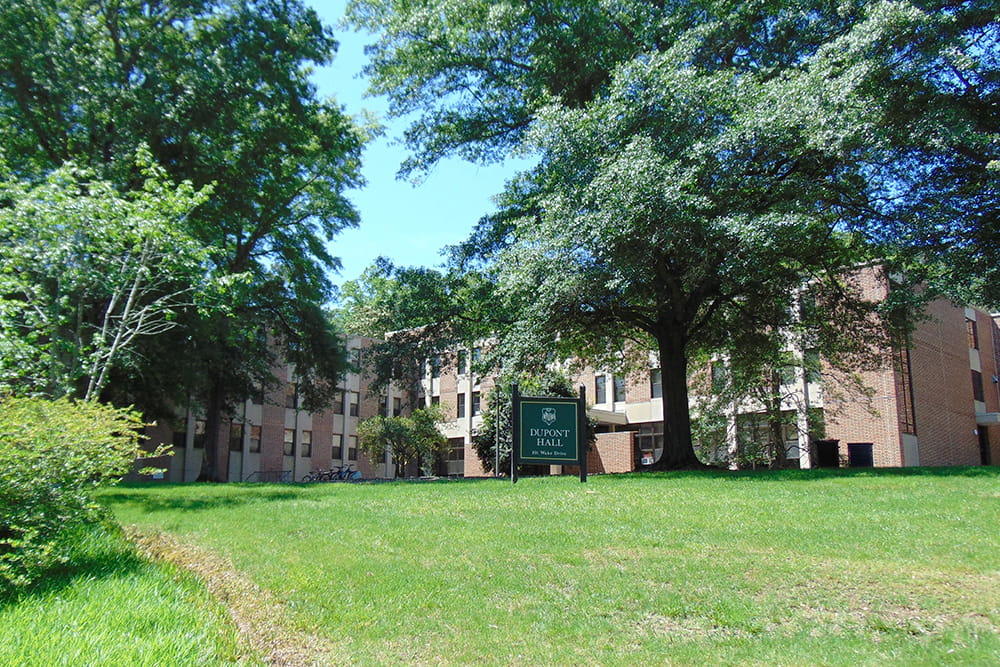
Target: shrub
[{"x": 53, "y": 454}]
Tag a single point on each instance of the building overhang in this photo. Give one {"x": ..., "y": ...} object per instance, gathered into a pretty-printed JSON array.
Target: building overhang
[
  {"x": 988, "y": 418},
  {"x": 608, "y": 417}
]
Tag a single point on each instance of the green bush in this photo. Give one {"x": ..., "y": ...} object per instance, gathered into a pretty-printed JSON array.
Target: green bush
[{"x": 53, "y": 454}]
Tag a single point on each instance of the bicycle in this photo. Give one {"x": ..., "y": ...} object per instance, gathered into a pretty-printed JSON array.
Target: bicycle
[{"x": 345, "y": 474}]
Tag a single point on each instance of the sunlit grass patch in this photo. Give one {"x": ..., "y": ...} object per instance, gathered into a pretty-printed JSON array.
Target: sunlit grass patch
[
  {"x": 110, "y": 606},
  {"x": 818, "y": 567}
]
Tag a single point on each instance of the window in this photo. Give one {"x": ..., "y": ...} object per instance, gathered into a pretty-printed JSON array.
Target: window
[
  {"x": 356, "y": 357},
  {"x": 291, "y": 395},
  {"x": 199, "y": 434},
  {"x": 435, "y": 363},
  {"x": 814, "y": 367},
  {"x": 236, "y": 437},
  {"x": 338, "y": 446},
  {"x": 338, "y": 402},
  {"x": 307, "y": 444},
  {"x": 977, "y": 386},
  {"x": 718, "y": 376},
  {"x": 352, "y": 449},
  {"x": 255, "y": 438},
  {"x": 180, "y": 439},
  {"x": 655, "y": 383},
  {"x": 619, "y": 389},
  {"x": 397, "y": 407},
  {"x": 383, "y": 406},
  {"x": 457, "y": 450},
  {"x": 258, "y": 396},
  {"x": 477, "y": 355},
  {"x": 904, "y": 391},
  {"x": 972, "y": 328},
  {"x": 601, "y": 389},
  {"x": 461, "y": 405},
  {"x": 463, "y": 362},
  {"x": 355, "y": 398},
  {"x": 475, "y": 403},
  {"x": 650, "y": 438},
  {"x": 289, "y": 442}
]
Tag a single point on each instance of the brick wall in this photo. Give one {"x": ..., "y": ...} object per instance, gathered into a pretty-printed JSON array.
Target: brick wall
[
  {"x": 942, "y": 388},
  {"x": 613, "y": 452}
]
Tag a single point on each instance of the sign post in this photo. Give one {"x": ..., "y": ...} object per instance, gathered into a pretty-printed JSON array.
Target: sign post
[{"x": 549, "y": 431}]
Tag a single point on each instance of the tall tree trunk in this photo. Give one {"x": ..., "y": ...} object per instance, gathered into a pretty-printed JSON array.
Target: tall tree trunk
[
  {"x": 678, "y": 448},
  {"x": 776, "y": 425},
  {"x": 211, "y": 470}
]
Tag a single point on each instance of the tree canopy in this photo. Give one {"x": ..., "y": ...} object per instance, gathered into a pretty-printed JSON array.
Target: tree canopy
[
  {"x": 219, "y": 91},
  {"x": 700, "y": 163}
]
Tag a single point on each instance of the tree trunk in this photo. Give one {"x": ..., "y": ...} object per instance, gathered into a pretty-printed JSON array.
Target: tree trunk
[
  {"x": 779, "y": 455},
  {"x": 211, "y": 470},
  {"x": 678, "y": 448}
]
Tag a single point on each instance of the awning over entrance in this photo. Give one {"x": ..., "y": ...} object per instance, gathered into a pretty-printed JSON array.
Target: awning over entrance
[{"x": 608, "y": 417}]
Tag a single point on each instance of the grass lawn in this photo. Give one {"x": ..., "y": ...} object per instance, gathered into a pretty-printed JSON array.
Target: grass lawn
[
  {"x": 797, "y": 567},
  {"x": 112, "y": 607}
]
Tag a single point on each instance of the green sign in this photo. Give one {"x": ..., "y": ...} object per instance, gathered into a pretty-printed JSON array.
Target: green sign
[{"x": 549, "y": 430}]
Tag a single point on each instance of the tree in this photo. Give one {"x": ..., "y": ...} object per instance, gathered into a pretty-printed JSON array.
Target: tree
[
  {"x": 219, "y": 91},
  {"x": 410, "y": 438},
  {"x": 686, "y": 187},
  {"x": 86, "y": 271}
]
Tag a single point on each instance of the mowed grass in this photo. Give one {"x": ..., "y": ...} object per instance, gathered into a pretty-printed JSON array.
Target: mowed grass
[
  {"x": 111, "y": 606},
  {"x": 798, "y": 567}
]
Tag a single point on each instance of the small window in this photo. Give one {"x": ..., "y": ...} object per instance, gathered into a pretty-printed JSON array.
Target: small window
[
  {"x": 355, "y": 398},
  {"x": 338, "y": 446},
  {"x": 461, "y": 405},
  {"x": 655, "y": 383},
  {"x": 356, "y": 357},
  {"x": 338, "y": 402},
  {"x": 258, "y": 396},
  {"x": 435, "y": 364},
  {"x": 435, "y": 400},
  {"x": 475, "y": 403},
  {"x": 619, "y": 389},
  {"x": 972, "y": 328},
  {"x": 236, "y": 437},
  {"x": 291, "y": 395},
  {"x": 601, "y": 389},
  {"x": 289, "y": 442},
  {"x": 463, "y": 362},
  {"x": 397, "y": 407},
  {"x": 254, "y": 439},
  {"x": 718, "y": 376},
  {"x": 383, "y": 406},
  {"x": 977, "y": 386},
  {"x": 352, "y": 449},
  {"x": 307, "y": 444},
  {"x": 457, "y": 451}
]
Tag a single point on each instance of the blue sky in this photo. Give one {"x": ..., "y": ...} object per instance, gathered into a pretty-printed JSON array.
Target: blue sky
[{"x": 407, "y": 223}]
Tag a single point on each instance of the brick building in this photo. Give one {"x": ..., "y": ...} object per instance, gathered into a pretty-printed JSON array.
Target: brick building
[
  {"x": 271, "y": 438},
  {"x": 936, "y": 403}
]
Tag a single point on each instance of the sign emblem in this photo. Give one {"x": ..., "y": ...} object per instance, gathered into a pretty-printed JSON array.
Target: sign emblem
[{"x": 549, "y": 416}]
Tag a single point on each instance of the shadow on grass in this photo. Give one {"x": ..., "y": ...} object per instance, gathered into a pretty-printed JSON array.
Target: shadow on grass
[
  {"x": 814, "y": 474},
  {"x": 102, "y": 553},
  {"x": 194, "y": 497}
]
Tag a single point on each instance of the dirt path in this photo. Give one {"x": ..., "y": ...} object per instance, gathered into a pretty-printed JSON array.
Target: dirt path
[{"x": 259, "y": 618}]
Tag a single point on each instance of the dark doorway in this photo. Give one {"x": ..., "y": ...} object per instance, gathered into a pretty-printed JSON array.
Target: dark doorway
[{"x": 985, "y": 456}]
